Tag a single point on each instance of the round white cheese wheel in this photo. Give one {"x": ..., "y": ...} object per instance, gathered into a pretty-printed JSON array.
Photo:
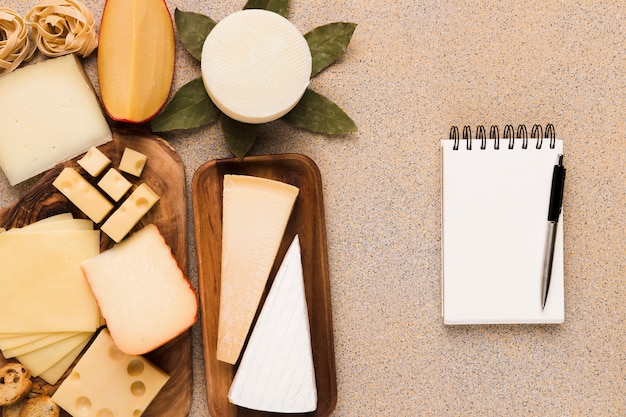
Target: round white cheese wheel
[{"x": 256, "y": 65}]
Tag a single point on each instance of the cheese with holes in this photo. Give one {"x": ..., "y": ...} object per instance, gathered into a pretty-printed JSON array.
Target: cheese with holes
[
  {"x": 56, "y": 371},
  {"x": 82, "y": 194},
  {"x": 49, "y": 114},
  {"x": 43, "y": 287},
  {"x": 94, "y": 161},
  {"x": 133, "y": 162},
  {"x": 106, "y": 382},
  {"x": 276, "y": 372},
  {"x": 144, "y": 297},
  {"x": 114, "y": 184},
  {"x": 255, "y": 215},
  {"x": 263, "y": 72},
  {"x": 138, "y": 203}
]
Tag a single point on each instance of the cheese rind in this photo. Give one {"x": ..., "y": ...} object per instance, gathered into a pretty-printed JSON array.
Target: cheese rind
[
  {"x": 82, "y": 194},
  {"x": 94, "y": 161},
  {"x": 276, "y": 373},
  {"x": 49, "y": 114},
  {"x": 119, "y": 224},
  {"x": 144, "y": 296},
  {"x": 255, "y": 214},
  {"x": 107, "y": 382},
  {"x": 263, "y": 72}
]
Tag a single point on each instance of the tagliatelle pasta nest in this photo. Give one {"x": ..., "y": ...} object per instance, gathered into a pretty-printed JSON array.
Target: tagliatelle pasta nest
[
  {"x": 62, "y": 27},
  {"x": 15, "y": 46}
]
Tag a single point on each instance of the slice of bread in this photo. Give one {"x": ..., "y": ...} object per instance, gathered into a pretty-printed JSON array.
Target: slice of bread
[
  {"x": 15, "y": 383},
  {"x": 40, "y": 406}
]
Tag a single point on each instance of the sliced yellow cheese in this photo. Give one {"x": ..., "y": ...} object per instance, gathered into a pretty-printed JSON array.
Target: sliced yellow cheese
[
  {"x": 138, "y": 203},
  {"x": 82, "y": 194},
  {"x": 144, "y": 296},
  {"x": 255, "y": 215},
  {"x": 43, "y": 286},
  {"x": 49, "y": 114},
  {"x": 94, "y": 161},
  {"x": 12, "y": 340},
  {"x": 56, "y": 371},
  {"x": 107, "y": 382},
  {"x": 39, "y": 360},
  {"x": 71, "y": 224},
  {"x": 263, "y": 72},
  {"x": 36, "y": 344}
]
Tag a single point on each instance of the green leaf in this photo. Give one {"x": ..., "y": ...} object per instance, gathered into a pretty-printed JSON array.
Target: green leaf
[
  {"x": 318, "y": 114},
  {"x": 239, "y": 136},
  {"x": 327, "y": 43},
  {"x": 190, "y": 107},
  {"x": 278, "y": 6},
  {"x": 193, "y": 28}
]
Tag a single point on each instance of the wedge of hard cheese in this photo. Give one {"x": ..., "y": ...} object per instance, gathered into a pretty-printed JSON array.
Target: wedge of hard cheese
[
  {"x": 144, "y": 297},
  {"x": 255, "y": 215},
  {"x": 49, "y": 114},
  {"x": 276, "y": 372}
]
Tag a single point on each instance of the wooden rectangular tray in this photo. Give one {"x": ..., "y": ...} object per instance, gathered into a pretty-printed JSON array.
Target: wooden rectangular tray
[
  {"x": 307, "y": 220},
  {"x": 164, "y": 173}
]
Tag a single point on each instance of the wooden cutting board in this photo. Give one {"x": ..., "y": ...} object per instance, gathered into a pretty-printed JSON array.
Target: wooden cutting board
[{"x": 164, "y": 173}]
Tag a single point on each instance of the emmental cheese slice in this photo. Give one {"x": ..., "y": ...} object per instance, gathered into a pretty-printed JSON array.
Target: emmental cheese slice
[
  {"x": 276, "y": 372},
  {"x": 49, "y": 114},
  {"x": 82, "y": 194},
  {"x": 106, "y": 382},
  {"x": 264, "y": 70},
  {"x": 144, "y": 297},
  {"x": 255, "y": 214}
]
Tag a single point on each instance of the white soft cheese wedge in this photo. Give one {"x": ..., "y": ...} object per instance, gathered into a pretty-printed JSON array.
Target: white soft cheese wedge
[
  {"x": 49, "y": 114},
  {"x": 276, "y": 372},
  {"x": 255, "y": 215},
  {"x": 256, "y": 65},
  {"x": 144, "y": 297},
  {"x": 106, "y": 383}
]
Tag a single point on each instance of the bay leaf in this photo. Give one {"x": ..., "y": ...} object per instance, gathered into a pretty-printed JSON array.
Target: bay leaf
[
  {"x": 327, "y": 43},
  {"x": 193, "y": 28},
  {"x": 239, "y": 136},
  {"x": 316, "y": 113},
  {"x": 190, "y": 107},
  {"x": 278, "y": 6}
]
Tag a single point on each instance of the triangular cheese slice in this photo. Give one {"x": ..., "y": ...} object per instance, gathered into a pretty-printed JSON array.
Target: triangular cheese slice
[
  {"x": 255, "y": 215},
  {"x": 276, "y": 372}
]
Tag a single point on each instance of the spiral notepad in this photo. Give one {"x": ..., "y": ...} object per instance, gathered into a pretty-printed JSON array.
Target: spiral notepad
[{"x": 495, "y": 197}]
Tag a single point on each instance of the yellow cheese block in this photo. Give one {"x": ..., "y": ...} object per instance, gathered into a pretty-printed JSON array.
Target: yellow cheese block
[
  {"x": 56, "y": 371},
  {"x": 107, "y": 382},
  {"x": 94, "y": 161},
  {"x": 138, "y": 203},
  {"x": 255, "y": 215},
  {"x": 43, "y": 286},
  {"x": 39, "y": 360},
  {"x": 82, "y": 194},
  {"x": 133, "y": 162},
  {"x": 49, "y": 114},
  {"x": 114, "y": 184},
  {"x": 36, "y": 344}
]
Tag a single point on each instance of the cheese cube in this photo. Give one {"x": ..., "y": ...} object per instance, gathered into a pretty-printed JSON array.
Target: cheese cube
[
  {"x": 49, "y": 114},
  {"x": 255, "y": 215},
  {"x": 82, "y": 194},
  {"x": 107, "y": 382},
  {"x": 130, "y": 212},
  {"x": 114, "y": 184},
  {"x": 94, "y": 161},
  {"x": 133, "y": 162},
  {"x": 144, "y": 297}
]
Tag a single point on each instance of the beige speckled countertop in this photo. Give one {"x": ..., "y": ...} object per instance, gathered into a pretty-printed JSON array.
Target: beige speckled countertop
[{"x": 412, "y": 70}]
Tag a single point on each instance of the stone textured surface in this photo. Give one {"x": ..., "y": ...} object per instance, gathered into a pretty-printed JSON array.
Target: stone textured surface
[{"x": 413, "y": 69}]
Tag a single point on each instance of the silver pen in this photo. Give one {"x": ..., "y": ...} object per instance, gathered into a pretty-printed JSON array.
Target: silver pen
[{"x": 554, "y": 211}]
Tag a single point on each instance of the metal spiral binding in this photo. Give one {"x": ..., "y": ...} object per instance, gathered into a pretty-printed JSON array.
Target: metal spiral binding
[{"x": 510, "y": 133}]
